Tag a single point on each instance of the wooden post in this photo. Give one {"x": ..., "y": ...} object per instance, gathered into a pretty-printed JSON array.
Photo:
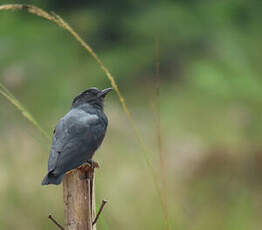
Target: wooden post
[{"x": 79, "y": 199}]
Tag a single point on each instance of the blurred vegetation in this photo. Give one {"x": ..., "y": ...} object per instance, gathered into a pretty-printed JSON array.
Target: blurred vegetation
[{"x": 211, "y": 90}]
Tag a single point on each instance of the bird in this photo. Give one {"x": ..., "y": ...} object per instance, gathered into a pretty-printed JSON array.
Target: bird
[{"x": 77, "y": 135}]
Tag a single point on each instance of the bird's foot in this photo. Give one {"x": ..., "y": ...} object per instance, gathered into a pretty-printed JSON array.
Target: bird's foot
[
  {"x": 90, "y": 164},
  {"x": 93, "y": 164}
]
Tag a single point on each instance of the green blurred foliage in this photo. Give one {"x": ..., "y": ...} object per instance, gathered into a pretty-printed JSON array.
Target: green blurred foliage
[{"x": 211, "y": 90}]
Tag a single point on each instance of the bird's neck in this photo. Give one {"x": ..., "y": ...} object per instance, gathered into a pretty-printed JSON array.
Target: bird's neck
[{"x": 89, "y": 106}]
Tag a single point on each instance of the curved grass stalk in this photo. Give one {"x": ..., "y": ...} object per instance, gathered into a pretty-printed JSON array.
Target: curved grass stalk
[
  {"x": 58, "y": 20},
  {"x": 6, "y": 93}
]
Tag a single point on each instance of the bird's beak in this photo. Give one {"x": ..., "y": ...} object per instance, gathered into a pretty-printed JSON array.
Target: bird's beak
[{"x": 104, "y": 92}]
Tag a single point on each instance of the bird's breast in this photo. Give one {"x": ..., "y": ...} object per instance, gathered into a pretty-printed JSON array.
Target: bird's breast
[{"x": 85, "y": 118}]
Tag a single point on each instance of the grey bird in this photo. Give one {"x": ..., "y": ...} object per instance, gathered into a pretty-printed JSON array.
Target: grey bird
[{"x": 77, "y": 135}]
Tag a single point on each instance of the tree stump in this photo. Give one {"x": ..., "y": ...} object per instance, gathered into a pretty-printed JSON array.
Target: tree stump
[{"x": 79, "y": 198}]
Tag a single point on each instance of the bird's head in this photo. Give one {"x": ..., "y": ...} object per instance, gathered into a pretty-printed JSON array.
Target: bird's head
[{"x": 92, "y": 96}]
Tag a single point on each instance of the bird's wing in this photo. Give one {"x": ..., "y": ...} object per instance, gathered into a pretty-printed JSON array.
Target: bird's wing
[{"x": 77, "y": 135}]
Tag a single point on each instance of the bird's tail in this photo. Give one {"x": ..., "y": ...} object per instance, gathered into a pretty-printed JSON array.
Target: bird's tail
[{"x": 50, "y": 178}]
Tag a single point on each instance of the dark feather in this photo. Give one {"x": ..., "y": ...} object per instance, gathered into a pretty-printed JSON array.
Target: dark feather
[{"x": 77, "y": 135}]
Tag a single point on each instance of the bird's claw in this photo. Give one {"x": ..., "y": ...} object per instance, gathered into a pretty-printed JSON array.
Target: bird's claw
[
  {"x": 93, "y": 164},
  {"x": 89, "y": 164}
]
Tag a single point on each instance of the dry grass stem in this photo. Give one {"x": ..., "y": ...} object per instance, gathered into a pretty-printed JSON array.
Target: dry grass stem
[
  {"x": 5, "y": 92},
  {"x": 164, "y": 199}
]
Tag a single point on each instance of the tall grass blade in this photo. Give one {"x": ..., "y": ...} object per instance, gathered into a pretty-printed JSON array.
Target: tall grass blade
[
  {"x": 5, "y": 92},
  {"x": 164, "y": 199}
]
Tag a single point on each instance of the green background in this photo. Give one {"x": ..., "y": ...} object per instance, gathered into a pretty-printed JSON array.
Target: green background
[{"x": 210, "y": 56}]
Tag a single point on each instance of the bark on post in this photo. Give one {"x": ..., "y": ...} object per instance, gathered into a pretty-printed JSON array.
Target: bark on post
[{"x": 79, "y": 199}]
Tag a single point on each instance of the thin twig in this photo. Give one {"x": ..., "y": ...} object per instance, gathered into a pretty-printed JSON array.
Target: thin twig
[
  {"x": 55, "y": 222},
  {"x": 100, "y": 210}
]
